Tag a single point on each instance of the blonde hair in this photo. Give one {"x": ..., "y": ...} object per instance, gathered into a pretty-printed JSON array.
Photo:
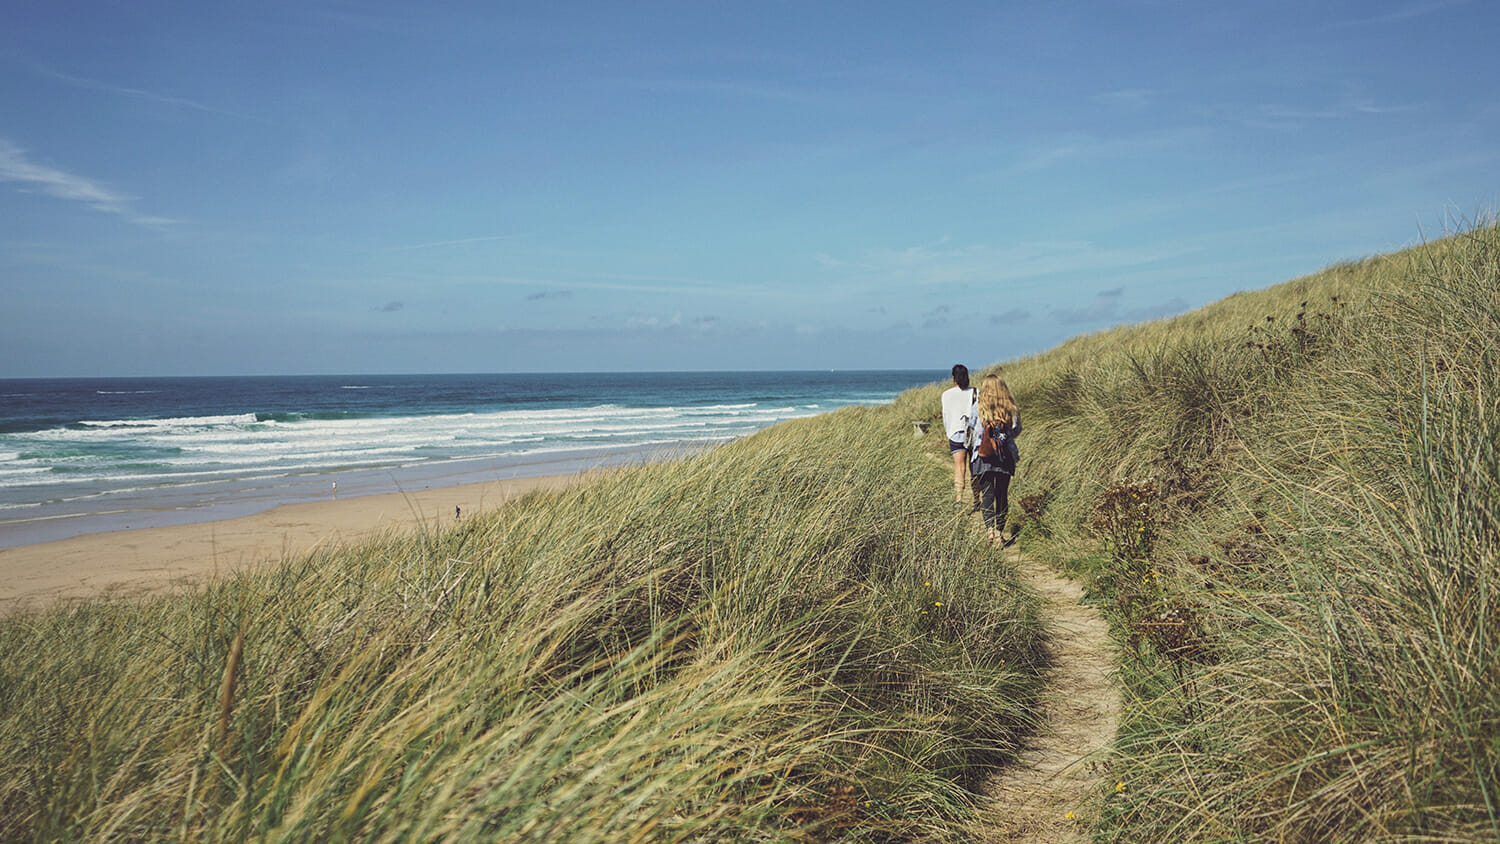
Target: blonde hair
[{"x": 996, "y": 406}]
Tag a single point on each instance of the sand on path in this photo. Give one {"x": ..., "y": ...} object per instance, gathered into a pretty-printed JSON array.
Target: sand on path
[
  {"x": 1063, "y": 769},
  {"x": 155, "y": 559}
]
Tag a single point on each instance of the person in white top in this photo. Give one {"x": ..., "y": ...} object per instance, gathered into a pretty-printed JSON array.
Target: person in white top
[{"x": 958, "y": 410}]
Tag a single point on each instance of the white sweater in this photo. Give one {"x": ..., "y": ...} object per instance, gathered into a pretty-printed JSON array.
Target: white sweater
[{"x": 958, "y": 406}]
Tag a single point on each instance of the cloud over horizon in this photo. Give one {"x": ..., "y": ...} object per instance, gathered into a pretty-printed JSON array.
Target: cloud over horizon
[
  {"x": 1105, "y": 308},
  {"x": 16, "y": 167}
]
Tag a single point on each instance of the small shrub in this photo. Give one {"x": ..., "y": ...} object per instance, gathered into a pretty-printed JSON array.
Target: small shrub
[
  {"x": 1307, "y": 334},
  {"x": 1027, "y": 515},
  {"x": 1123, "y": 517}
]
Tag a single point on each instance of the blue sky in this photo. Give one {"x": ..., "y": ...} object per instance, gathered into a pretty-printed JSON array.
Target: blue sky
[{"x": 350, "y": 187}]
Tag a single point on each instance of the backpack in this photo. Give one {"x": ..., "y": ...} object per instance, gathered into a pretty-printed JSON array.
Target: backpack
[
  {"x": 971, "y": 438},
  {"x": 1001, "y": 455}
]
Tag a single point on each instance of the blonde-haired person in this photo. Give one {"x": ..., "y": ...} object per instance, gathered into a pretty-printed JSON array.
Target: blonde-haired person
[{"x": 994, "y": 464}]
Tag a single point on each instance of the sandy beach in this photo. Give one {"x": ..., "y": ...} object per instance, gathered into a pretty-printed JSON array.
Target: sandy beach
[{"x": 156, "y": 559}]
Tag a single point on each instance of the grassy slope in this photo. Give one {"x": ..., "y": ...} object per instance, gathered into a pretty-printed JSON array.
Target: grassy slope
[
  {"x": 1288, "y": 501},
  {"x": 1293, "y": 523},
  {"x": 783, "y": 637}
]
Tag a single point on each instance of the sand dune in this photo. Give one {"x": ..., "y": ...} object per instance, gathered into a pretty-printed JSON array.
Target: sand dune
[{"x": 156, "y": 559}]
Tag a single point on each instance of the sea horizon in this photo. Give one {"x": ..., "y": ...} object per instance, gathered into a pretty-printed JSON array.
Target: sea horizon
[
  {"x": 465, "y": 374},
  {"x": 85, "y": 455}
]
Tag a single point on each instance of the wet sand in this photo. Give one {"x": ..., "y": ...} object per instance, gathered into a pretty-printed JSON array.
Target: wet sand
[{"x": 156, "y": 559}]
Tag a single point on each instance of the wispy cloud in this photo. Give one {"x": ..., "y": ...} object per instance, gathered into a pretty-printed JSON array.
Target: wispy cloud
[
  {"x": 627, "y": 283},
  {"x": 16, "y": 167},
  {"x": 1073, "y": 148},
  {"x": 462, "y": 241},
  {"x": 725, "y": 88},
  {"x": 1128, "y": 99},
  {"x": 1105, "y": 308},
  {"x": 127, "y": 91},
  {"x": 345, "y": 16},
  {"x": 1280, "y": 115},
  {"x": 1015, "y": 266},
  {"x": 652, "y": 323},
  {"x": 667, "y": 323},
  {"x": 1404, "y": 13},
  {"x": 391, "y": 307},
  {"x": 936, "y": 318},
  {"x": 549, "y": 294}
]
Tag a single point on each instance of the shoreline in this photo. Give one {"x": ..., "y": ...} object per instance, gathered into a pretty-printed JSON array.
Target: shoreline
[
  {"x": 219, "y": 500},
  {"x": 144, "y": 561}
]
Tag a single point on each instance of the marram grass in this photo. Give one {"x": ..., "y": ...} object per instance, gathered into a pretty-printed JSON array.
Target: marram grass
[
  {"x": 780, "y": 639},
  {"x": 1307, "y": 629}
]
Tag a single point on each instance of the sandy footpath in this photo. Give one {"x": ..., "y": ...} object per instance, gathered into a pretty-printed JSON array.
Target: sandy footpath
[
  {"x": 1051, "y": 795},
  {"x": 154, "y": 559}
]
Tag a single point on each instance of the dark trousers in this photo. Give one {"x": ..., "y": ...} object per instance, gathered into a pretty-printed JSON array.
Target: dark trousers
[{"x": 994, "y": 498}]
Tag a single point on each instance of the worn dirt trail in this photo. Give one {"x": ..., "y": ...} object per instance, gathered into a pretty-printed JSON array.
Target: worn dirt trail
[{"x": 1062, "y": 769}]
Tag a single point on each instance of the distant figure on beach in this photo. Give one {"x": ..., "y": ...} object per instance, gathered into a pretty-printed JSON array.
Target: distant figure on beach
[
  {"x": 458, "y": 512},
  {"x": 995, "y": 454},
  {"x": 335, "y": 489},
  {"x": 958, "y": 412}
]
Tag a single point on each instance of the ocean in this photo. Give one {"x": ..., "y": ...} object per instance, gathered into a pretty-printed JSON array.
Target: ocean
[{"x": 82, "y": 455}]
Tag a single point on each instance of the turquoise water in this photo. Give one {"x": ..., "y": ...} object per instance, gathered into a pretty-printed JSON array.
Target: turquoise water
[{"x": 83, "y": 455}]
